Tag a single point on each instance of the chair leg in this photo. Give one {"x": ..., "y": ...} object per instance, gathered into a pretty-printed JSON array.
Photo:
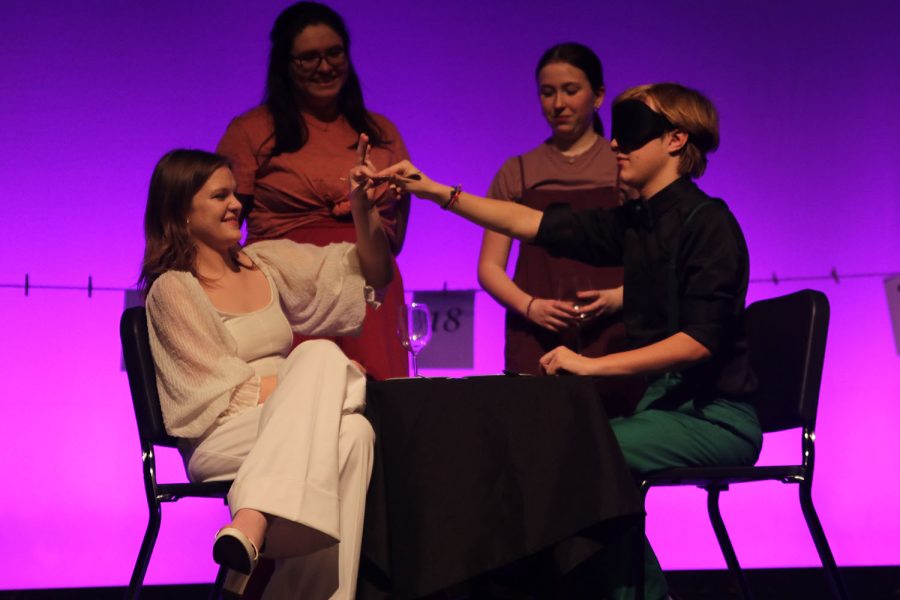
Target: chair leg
[
  {"x": 835, "y": 582},
  {"x": 216, "y": 592},
  {"x": 143, "y": 559},
  {"x": 641, "y": 575},
  {"x": 715, "y": 517}
]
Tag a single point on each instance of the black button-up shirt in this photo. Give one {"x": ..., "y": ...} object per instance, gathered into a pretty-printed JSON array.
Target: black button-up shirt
[{"x": 686, "y": 270}]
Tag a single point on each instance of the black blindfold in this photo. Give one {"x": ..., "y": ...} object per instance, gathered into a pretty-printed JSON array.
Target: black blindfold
[{"x": 634, "y": 124}]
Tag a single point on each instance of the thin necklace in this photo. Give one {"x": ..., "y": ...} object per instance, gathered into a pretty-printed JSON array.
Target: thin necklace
[
  {"x": 567, "y": 154},
  {"x": 573, "y": 158}
]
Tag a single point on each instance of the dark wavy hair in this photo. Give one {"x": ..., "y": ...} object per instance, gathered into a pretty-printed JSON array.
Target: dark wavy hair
[
  {"x": 291, "y": 132},
  {"x": 580, "y": 57},
  {"x": 177, "y": 178}
]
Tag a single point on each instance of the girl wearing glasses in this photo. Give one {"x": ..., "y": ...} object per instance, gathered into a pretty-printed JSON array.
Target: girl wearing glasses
[{"x": 291, "y": 154}]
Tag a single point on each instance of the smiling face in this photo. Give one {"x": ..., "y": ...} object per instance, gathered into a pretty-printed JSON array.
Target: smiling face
[
  {"x": 319, "y": 65},
  {"x": 213, "y": 218},
  {"x": 567, "y": 100}
]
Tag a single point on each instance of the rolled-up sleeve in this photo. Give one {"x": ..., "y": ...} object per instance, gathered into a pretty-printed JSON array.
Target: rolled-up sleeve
[
  {"x": 715, "y": 271},
  {"x": 595, "y": 236}
]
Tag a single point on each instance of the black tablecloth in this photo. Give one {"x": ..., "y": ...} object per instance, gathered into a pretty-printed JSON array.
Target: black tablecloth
[{"x": 472, "y": 474}]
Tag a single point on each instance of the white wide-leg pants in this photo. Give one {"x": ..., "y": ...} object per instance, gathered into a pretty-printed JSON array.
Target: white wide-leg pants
[{"x": 303, "y": 457}]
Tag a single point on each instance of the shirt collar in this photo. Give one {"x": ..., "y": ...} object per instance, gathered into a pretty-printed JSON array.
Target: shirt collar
[{"x": 646, "y": 213}]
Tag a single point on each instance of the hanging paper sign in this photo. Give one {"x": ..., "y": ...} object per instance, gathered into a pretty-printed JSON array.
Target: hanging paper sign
[
  {"x": 892, "y": 289},
  {"x": 452, "y": 325}
]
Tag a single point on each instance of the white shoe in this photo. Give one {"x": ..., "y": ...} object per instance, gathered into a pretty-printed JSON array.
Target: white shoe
[{"x": 234, "y": 550}]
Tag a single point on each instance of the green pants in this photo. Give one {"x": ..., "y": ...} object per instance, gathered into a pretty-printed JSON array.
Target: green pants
[{"x": 722, "y": 432}]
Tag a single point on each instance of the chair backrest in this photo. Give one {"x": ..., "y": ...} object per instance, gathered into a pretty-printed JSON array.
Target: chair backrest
[
  {"x": 142, "y": 377},
  {"x": 786, "y": 337}
]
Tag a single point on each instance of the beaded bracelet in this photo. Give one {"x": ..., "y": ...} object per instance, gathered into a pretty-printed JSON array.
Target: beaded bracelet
[{"x": 454, "y": 198}]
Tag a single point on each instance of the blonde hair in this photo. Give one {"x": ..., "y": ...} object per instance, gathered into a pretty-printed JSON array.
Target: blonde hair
[{"x": 688, "y": 110}]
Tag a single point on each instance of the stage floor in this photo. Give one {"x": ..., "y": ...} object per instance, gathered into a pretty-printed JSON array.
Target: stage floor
[{"x": 864, "y": 583}]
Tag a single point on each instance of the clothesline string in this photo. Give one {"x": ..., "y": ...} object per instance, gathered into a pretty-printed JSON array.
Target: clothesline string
[{"x": 774, "y": 279}]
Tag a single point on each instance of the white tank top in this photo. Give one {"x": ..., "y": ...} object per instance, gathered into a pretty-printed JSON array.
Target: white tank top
[{"x": 263, "y": 336}]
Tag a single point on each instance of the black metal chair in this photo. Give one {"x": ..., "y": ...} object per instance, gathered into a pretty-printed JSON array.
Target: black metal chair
[
  {"x": 152, "y": 432},
  {"x": 787, "y": 337}
]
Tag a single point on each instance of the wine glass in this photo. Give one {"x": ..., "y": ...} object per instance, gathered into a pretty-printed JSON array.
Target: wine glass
[
  {"x": 568, "y": 288},
  {"x": 414, "y": 329}
]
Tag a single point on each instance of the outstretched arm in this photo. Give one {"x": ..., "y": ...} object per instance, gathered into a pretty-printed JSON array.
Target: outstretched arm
[{"x": 508, "y": 218}]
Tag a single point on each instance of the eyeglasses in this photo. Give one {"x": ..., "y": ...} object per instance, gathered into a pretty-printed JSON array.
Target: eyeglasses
[{"x": 310, "y": 61}]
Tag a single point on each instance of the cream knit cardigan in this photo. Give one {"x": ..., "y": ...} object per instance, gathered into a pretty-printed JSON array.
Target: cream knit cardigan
[{"x": 200, "y": 379}]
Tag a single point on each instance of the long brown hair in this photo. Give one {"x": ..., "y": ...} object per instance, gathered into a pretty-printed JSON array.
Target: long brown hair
[
  {"x": 290, "y": 132},
  {"x": 178, "y": 176}
]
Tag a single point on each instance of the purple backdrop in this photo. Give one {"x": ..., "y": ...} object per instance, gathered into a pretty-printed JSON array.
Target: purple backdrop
[{"x": 92, "y": 93}]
